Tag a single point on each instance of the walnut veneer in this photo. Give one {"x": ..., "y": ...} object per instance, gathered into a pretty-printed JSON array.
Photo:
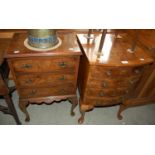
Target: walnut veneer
[
  {"x": 110, "y": 76},
  {"x": 45, "y": 76}
]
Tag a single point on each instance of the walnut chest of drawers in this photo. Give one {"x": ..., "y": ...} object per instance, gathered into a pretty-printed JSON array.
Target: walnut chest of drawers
[
  {"x": 110, "y": 76},
  {"x": 44, "y": 76}
]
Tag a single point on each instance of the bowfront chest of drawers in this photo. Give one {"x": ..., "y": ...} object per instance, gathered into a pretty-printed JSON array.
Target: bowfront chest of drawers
[
  {"x": 110, "y": 76},
  {"x": 45, "y": 76}
]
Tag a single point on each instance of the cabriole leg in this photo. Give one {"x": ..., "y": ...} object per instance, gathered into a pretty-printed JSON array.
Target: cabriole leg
[
  {"x": 22, "y": 105},
  {"x": 81, "y": 119},
  {"x": 74, "y": 101},
  {"x": 122, "y": 108}
]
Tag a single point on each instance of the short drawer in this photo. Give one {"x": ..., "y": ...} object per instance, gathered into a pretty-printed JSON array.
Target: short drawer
[
  {"x": 98, "y": 72},
  {"x": 102, "y": 102},
  {"x": 45, "y": 92},
  {"x": 46, "y": 79},
  {"x": 101, "y": 93},
  {"x": 32, "y": 65}
]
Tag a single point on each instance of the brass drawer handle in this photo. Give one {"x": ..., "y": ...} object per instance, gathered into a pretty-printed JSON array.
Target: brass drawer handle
[
  {"x": 28, "y": 81},
  {"x": 33, "y": 92},
  {"x": 137, "y": 71},
  {"x": 133, "y": 81},
  {"x": 62, "y": 91},
  {"x": 109, "y": 73},
  {"x": 98, "y": 103},
  {"x": 62, "y": 78},
  {"x": 113, "y": 94},
  {"x": 62, "y": 64},
  {"x": 104, "y": 84},
  {"x": 127, "y": 91},
  {"x": 27, "y": 66},
  {"x": 101, "y": 94},
  {"x": 122, "y": 98}
]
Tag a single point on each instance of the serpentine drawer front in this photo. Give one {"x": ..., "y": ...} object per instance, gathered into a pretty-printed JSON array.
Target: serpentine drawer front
[
  {"x": 45, "y": 76},
  {"x": 110, "y": 76}
]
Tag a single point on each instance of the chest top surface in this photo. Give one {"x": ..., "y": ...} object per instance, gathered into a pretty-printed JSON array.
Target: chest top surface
[
  {"x": 146, "y": 37},
  {"x": 17, "y": 48},
  {"x": 115, "y": 51}
]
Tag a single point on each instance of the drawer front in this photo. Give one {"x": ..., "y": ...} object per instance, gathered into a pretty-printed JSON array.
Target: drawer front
[
  {"x": 102, "y": 93},
  {"x": 38, "y": 80},
  {"x": 45, "y": 92},
  {"x": 45, "y": 65},
  {"x": 102, "y": 102},
  {"x": 112, "y": 83},
  {"x": 99, "y": 72}
]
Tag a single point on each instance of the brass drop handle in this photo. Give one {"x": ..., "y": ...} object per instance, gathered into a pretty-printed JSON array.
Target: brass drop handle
[
  {"x": 33, "y": 92},
  {"x": 28, "y": 81},
  {"x": 133, "y": 81},
  {"x": 137, "y": 71},
  {"x": 62, "y": 64},
  {"x": 105, "y": 84},
  {"x": 101, "y": 93},
  {"x": 127, "y": 91},
  {"x": 109, "y": 73},
  {"x": 27, "y": 66},
  {"x": 62, "y": 78},
  {"x": 98, "y": 103},
  {"x": 122, "y": 98},
  {"x": 62, "y": 91},
  {"x": 113, "y": 94}
]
